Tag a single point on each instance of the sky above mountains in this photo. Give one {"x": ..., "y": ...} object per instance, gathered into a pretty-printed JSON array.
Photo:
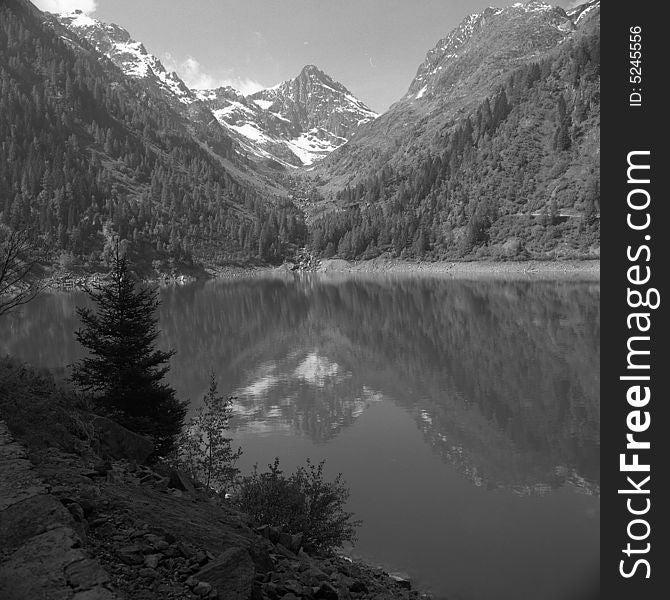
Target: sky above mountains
[{"x": 373, "y": 47}]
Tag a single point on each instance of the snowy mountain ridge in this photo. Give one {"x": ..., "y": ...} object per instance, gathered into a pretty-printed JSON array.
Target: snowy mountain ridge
[
  {"x": 126, "y": 53},
  {"x": 550, "y": 25},
  {"x": 294, "y": 123}
]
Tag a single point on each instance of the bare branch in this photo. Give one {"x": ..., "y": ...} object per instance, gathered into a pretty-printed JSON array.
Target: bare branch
[{"x": 20, "y": 254}]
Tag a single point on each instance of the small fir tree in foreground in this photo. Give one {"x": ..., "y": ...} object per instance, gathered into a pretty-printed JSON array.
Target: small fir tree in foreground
[
  {"x": 124, "y": 369},
  {"x": 204, "y": 450}
]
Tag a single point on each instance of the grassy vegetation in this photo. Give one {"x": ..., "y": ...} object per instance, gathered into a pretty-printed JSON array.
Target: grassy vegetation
[{"x": 39, "y": 412}]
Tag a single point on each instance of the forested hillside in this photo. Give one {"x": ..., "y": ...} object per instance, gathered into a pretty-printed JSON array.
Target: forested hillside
[
  {"x": 493, "y": 152},
  {"x": 87, "y": 153},
  {"x": 515, "y": 176}
]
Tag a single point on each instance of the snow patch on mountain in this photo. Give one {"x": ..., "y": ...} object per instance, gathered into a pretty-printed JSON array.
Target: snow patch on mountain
[
  {"x": 264, "y": 104},
  {"x": 533, "y": 6},
  {"x": 79, "y": 19},
  {"x": 251, "y": 132},
  {"x": 296, "y": 122},
  {"x": 126, "y": 53},
  {"x": 309, "y": 147},
  {"x": 579, "y": 12},
  {"x": 462, "y": 46},
  {"x": 205, "y": 95}
]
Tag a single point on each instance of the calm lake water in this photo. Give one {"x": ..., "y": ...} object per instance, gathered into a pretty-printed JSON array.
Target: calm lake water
[{"x": 464, "y": 415}]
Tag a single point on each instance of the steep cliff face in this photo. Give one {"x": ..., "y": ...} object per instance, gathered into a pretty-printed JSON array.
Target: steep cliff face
[
  {"x": 259, "y": 132},
  {"x": 296, "y": 122},
  {"x": 313, "y": 100}
]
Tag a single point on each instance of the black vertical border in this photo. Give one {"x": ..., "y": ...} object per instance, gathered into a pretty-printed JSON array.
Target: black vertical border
[{"x": 626, "y": 128}]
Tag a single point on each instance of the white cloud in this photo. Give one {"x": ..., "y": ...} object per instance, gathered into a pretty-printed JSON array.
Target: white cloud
[
  {"x": 65, "y": 6},
  {"x": 193, "y": 75},
  {"x": 191, "y": 72},
  {"x": 244, "y": 85}
]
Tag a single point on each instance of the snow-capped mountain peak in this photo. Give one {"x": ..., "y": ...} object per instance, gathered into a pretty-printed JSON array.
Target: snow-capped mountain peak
[
  {"x": 484, "y": 41},
  {"x": 295, "y": 122},
  {"x": 311, "y": 88},
  {"x": 129, "y": 55}
]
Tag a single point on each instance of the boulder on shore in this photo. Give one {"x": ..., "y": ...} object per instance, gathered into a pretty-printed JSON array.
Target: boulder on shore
[
  {"x": 116, "y": 442},
  {"x": 231, "y": 574},
  {"x": 180, "y": 481}
]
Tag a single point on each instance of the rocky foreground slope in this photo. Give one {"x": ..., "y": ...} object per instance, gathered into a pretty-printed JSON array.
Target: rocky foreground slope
[
  {"x": 73, "y": 526},
  {"x": 41, "y": 554}
]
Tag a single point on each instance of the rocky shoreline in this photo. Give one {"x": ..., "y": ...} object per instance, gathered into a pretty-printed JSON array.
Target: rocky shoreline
[
  {"x": 532, "y": 269},
  {"x": 587, "y": 269},
  {"x": 539, "y": 269},
  {"x": 71, "y": 282},
  {"x": 124, "y": 530}
]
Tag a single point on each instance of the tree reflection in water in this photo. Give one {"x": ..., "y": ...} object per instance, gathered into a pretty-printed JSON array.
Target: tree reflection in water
[{"x": 502, "y": 377}]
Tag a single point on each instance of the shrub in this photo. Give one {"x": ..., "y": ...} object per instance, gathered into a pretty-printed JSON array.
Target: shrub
[
  {"x": 204, "y": 451},
  {"x": 301, "y": 503}
]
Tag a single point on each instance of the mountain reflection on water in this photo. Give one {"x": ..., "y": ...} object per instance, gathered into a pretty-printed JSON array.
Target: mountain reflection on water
[
  {"x": 464, "y": 414},
  {"x": 501, "y": 377}
]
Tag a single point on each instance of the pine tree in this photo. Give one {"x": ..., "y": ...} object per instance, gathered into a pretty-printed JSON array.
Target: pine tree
[
  {"x": 204, "y": 449},
  {"x": 562, "y": 137},
  {"x": 124, "y": 369}
]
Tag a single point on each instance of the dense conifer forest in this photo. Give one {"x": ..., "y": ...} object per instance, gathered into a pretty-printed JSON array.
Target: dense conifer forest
[
  {"x": 517, "y": 178},
  {"x": 86, "y": 154}
]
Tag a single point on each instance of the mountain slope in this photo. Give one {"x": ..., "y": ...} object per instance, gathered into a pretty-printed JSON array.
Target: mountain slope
[
  {"x": 317, "y": 105},
  {"x": 485, "y": 44},
  {"x": 89, "y": 153},
  {"x": 462, "y": 69},
  {"x": 296, "y": 122},
  {"x": 499, "y": 127},
  {"x": 130, "y": 56},
  {"x": 583, "y": 12}
]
